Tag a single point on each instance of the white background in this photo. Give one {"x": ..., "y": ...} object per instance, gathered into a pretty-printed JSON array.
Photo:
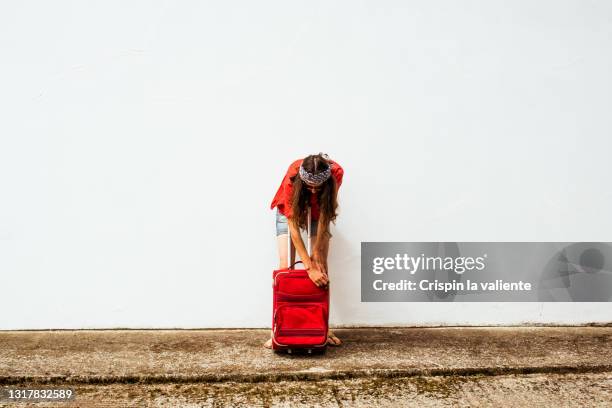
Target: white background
[{"x": 141, "y": 143}]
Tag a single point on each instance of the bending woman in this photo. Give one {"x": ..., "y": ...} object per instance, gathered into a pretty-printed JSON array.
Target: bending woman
[{"x": 312, "y": 181}]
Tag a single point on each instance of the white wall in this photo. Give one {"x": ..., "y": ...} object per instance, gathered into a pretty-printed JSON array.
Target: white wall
[{"x": 141, "y": 143}]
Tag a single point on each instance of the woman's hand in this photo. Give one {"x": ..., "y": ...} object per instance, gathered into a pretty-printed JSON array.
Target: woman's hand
[
  {"x": 319, "y": 262},
  {"x": 317, "y": 276}
]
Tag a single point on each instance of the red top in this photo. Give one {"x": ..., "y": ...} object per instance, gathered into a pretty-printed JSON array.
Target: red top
[{"x": 282, "y": 199}]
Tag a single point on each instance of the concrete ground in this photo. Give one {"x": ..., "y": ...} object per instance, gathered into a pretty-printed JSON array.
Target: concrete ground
[{"x": 514, "y": 366}]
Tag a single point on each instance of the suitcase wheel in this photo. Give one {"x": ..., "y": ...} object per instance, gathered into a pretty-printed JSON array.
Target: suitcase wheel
[
  {"x": 289, "y": 351},
  {"x": 309, "y": 351}
]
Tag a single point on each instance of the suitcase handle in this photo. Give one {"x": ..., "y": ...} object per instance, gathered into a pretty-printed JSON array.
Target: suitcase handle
[{"x": 307, "y": 244}]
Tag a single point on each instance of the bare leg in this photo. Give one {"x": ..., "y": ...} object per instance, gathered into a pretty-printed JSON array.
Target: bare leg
[
  {"x": 332, "y": 339},
  {"x": 283, "y": 259},
  {"x": 281, "y": 242},
  {"x": 283, "y": 263}
]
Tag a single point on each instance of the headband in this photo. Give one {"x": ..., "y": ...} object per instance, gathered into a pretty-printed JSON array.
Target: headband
[{"x": 315, "y": 179}]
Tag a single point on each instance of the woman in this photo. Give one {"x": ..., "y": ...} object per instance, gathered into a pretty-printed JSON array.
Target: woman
[{"x": 312, "y": 181}]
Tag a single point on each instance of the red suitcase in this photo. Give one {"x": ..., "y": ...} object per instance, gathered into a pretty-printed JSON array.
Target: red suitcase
[{"x": 300, "y": 309}]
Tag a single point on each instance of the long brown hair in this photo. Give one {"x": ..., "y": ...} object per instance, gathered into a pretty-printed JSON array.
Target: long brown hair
[{"x": 326, "y": 195}]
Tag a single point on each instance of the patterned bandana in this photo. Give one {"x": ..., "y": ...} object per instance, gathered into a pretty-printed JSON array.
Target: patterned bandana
[{"x": 315, "y": 179}]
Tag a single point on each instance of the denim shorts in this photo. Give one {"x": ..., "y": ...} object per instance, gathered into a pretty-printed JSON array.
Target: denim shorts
[{"x": 283, "y": 228}]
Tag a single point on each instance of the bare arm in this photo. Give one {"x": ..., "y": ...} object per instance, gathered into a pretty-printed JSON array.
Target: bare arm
[
  {"x": 323, "y": 235},
  {"x": 321, "y": 244},
  {"x": 298, "y": 243},
  {"x": 321, "y": 248},
  {"x": 314, "y": 272}
]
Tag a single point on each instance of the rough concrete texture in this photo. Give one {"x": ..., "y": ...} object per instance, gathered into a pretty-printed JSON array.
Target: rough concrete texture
[
  {"x": 518, "y": 366},
  {"x": 531, "y": 390}
]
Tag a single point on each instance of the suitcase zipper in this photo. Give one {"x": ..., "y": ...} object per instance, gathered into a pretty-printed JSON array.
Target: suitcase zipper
[
  {"x": 304, "y": 331},
  {"x": 276, "y": 276},
  {"x": 293, "y": 345},
  {"x": 301, "y": 332},
  {"x": 293, "y": 271},
  {"x": 288, "y": 297},
  {"x": 294, "y": 304}
]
